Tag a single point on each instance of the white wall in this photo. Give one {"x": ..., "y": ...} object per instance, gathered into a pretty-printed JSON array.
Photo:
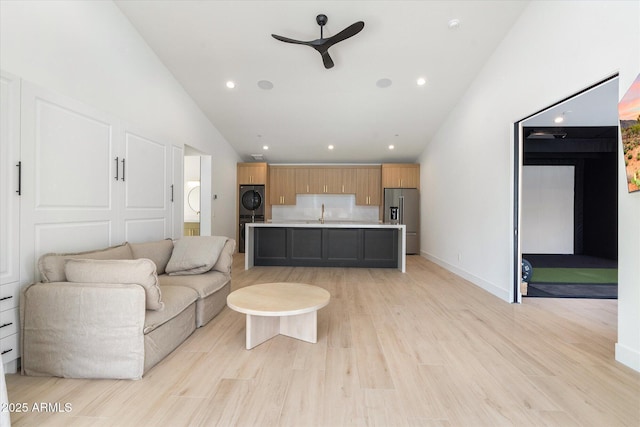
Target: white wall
[
  {"x": 554, "y": 50},
  {"x": 89, "y": 51},
  {"x": 546, "y": 209}
]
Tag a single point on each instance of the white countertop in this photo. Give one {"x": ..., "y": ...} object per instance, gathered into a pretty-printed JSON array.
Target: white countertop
[{"x": 326, "y": 224}]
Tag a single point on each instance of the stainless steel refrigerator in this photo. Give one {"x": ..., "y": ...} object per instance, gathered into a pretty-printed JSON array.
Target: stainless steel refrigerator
[{"x": 402, "y": 206}]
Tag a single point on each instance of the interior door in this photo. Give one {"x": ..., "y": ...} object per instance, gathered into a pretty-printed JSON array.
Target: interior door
[
  {"x": 177, "y": 185},
  {"x": 9, "y": 179},
  {"x": 69, "y": 190},
  {"x": 145, "y": 170}
]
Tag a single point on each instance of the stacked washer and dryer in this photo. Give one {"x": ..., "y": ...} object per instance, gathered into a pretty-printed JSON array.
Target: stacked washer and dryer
[{"x": 252, "y": 203}]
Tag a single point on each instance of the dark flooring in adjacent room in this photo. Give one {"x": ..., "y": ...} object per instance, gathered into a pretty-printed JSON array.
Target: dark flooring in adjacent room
[
  {"x": 569, "y": 261},
  {"x": 571, "y": 290}
]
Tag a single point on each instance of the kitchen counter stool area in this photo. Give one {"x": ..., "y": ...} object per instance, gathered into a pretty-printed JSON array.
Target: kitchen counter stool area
[{"x": 314, "y": 244}]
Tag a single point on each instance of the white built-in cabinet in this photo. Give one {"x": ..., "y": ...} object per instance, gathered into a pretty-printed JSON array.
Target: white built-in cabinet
[
  {"x": 88, "y": 180},
  {"x": 9, "y": 218}
]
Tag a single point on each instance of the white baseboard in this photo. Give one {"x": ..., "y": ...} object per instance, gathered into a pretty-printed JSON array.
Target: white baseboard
[
  {"x": 628, "y": 356},
  {"x": 487, "y": 286},
  {"x": 11, "y": 367}
]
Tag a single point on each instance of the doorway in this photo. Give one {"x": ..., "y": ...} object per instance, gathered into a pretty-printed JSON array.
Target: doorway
[
  {"x": 197, "y": 193},
  {"x": 565, "y": 197},
  {"x": 192, "y": 195}
]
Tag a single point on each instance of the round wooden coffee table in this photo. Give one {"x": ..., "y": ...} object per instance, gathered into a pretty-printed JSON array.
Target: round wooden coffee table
[{"x": 279, "y": 308}]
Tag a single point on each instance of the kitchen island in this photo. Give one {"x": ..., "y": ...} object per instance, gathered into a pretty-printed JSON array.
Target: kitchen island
[{"x": 328, "y": 244}]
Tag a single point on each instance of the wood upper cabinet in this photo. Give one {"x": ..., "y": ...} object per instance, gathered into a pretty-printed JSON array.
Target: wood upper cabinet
[
  {"x": 401, "y": 175},
  {"x": 302, "y": 181},
  {"x": 282, "y": 186},
  {"x": 325, "y": 180},
  {"x": 368, "y": 186},
  {"x": 328, "y": 180},
  {"x": 349, "y": 181},
  {"x": 252, "y": 173}
]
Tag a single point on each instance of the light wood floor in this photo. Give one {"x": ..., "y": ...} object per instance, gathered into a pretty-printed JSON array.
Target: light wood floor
[{"x": 425, "y": 348}]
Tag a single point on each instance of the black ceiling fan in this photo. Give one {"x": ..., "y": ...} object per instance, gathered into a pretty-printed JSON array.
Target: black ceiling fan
[{"x": 322, "y": 45}]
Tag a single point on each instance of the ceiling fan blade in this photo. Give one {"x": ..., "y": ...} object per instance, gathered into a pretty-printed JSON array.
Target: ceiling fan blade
[
  {"x": 288, "y": 40},
  {"x": 326, "y": 59},
  {"x": 322, "y": 45},
  {"x": 350, "y": 31}
]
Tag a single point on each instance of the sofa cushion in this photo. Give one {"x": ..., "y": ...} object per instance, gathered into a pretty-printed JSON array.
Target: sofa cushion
[
  {"x": 158, "y": 252},
  {"x": 176, "y": 299},
  {"x": 204, "y": 284},
  {"x": 76, "y": 330},
  {"x": 195, "y": 255},
  {"x": 225, "y": 260},
  {"x": 51, "y": 265},
  {"x": 139, "y": 271}
]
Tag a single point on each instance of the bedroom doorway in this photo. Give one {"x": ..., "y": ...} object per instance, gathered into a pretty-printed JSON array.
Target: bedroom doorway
[{"x": 566, "y": 189}]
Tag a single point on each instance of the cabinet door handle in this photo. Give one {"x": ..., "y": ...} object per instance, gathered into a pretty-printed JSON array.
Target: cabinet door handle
[
  {"x": 6, "y": 298},
  {"x": 171, "y": 193},
  {"x": 117, "y": 159},
  {"x": 19, "y": 190},
  {"x": 123, "y": 166},
  {"x": 6, "y": 351},
  {"x": 5, "y": 325}
]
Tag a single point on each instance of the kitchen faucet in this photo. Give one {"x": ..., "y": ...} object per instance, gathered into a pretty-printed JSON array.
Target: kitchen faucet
[{"x": 322, "y": 216}]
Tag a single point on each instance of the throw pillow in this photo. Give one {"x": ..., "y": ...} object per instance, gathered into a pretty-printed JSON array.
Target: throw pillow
[
  {"x": 158, "y": 252},
  {"x": 52, "y": 265},
  {"x": 138, "y": 271},
  {"x": 195, "y": 254}
]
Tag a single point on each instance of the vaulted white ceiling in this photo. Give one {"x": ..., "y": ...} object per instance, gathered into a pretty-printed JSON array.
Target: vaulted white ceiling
[
  {"x": 206, "y": 43},
  {"x": 597, "y": 106}
]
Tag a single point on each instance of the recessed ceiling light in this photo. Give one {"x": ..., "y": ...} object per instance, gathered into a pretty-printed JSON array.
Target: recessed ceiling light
[
  {"x": 231, "y": 84},
  {"x": 558, "y": 119},
  {"x": 265, "y": 147},
  {"x": 454, "y": 23},
  {"x": 265, "y": 84},
  {"x": 391, "y": 147},
  {"x": 330, "y": 147},
  {"x": 382, "y": 83},
  {"x": 421, "y": 81}
]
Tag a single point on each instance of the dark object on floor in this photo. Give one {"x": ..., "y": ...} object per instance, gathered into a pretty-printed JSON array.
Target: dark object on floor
[
  {"x": 573, "y": 290},
  {"x": 527, "y": 270}
]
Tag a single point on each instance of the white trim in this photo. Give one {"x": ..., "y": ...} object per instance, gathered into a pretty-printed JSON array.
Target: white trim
[
  {"x": 628, "y": 356},
  {"x": 487, "y": 286}
]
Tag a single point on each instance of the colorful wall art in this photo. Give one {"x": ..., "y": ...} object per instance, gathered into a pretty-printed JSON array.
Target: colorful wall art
[{"x": 629, "y": 113}]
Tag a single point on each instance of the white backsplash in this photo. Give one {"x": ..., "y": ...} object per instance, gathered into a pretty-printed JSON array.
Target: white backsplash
[{"x": 337, "y": 207}]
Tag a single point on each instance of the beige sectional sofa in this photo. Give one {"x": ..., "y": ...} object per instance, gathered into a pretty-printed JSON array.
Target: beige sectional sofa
[{"x": 117, "y": 312}]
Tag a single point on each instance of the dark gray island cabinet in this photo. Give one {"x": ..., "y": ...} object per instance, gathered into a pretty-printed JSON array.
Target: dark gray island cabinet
[{"x": 325, "y": 245}]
